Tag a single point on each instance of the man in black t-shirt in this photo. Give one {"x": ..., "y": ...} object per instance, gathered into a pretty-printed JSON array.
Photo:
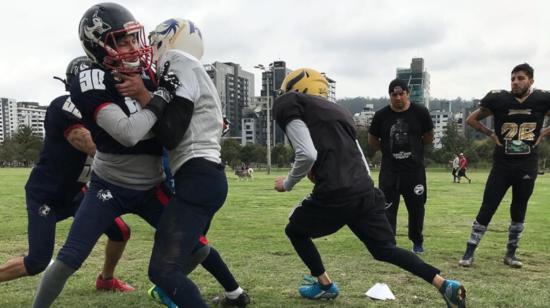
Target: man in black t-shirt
[
  {"x": 326, "y": 150},
  {"x": 518, "y": 120},
  {"x": 400, "y": 130}
]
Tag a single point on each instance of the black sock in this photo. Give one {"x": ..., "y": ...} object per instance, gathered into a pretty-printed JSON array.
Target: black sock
[{"x": 325, "y": 287}]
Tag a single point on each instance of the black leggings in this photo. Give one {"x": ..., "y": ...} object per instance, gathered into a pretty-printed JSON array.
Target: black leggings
[
  {"x": 366, "y": 219},
  {"x": 498, "y": 182}
]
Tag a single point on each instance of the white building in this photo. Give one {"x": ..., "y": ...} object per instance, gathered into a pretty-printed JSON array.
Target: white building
[
  {"x": 441, "y": 120},
  {"x": 14, "y": 115},
  {"x": 363, "y": 119}
]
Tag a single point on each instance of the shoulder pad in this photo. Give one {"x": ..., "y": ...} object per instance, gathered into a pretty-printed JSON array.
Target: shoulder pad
[{"x": 497, "y": 91}]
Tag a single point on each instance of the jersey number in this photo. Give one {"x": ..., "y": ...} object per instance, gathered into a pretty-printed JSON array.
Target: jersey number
[
  {"x": 524, "y": 131},
  {"x": 71, "y": 108},
  {"x": 91, "y": 80}
]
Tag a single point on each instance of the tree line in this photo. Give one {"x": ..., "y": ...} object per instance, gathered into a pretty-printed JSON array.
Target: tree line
[{"x": 23, "y": 148}]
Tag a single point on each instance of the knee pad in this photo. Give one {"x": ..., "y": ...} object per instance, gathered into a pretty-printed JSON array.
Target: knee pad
[
  {"x": 196, "y": 258},
  {"x": 119, "y": 231}
]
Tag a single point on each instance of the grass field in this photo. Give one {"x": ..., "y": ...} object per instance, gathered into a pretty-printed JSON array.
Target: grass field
[{"x": 249, "y": 233}]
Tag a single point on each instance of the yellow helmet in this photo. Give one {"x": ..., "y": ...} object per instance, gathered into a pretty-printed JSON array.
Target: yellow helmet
[{"x": 307, "y": 81}]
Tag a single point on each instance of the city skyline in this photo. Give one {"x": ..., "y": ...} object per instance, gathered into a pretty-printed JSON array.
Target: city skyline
[{"x": 469, "y": 47}]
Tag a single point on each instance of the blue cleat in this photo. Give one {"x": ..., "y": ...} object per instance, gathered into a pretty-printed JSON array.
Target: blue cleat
[
  {"x": 159, "y": 296},
  {"x": 313, "y": 290},
  {"x": 453, "y": 293}
]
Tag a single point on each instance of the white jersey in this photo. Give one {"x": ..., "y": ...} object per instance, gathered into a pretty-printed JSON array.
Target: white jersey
[
  {"x": 456, "y": 163},
  {"x": 202, "y": 138}
]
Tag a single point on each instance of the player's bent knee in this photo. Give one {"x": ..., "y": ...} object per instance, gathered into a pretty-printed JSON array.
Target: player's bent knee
[
  {"x": 292, "y": 231},
  {"x": 35, "y": 266},
  {"x": 196, "y": 258}
]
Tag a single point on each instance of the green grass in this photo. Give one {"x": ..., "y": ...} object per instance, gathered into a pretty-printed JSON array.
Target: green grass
[{"x": 249, "y": 233}]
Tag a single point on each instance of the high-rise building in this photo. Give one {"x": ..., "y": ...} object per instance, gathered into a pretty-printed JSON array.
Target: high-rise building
[
  {"x": 418, "y": 80},
  {"x": 14, "y": 115},
  {"x": 236, "y": 89}
]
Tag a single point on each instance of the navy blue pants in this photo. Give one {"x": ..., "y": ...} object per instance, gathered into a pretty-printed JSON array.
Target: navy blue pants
[
  {"x": 102, "y": 203},
  {"x": 201, "y": 189},
  {"x": 43, "y": 215}
]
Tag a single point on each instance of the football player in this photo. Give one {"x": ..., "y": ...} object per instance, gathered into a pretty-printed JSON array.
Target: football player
[
  {"x": 518, "y": 117},
  {"x": 127, "y": 174},
  {"x": 190, "y": 128},
  {"x": 326, "y": 149},
  {"x": 55, "y": 188}
]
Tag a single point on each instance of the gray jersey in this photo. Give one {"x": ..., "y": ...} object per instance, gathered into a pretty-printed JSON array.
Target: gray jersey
[{"x": 202, "y": 138}]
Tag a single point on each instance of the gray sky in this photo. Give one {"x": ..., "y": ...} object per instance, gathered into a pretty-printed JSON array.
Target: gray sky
[{"x": 469, "y": 47}]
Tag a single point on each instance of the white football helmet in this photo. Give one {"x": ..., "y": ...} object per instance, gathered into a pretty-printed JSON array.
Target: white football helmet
[{"x": 176, "y": 33}]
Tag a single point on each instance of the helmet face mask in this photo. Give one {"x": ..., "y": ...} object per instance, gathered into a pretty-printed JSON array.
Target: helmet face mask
[
  {"x": 176, "y": 33},
  {"x": 306, "y": 81},
  {"x": 101, "y": 29}
]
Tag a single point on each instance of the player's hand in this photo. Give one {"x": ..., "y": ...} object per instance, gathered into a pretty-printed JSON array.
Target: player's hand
[
  {"x": 168, "y": 83},
  {"x": 494, "y": 137},
  {"x": 279, "y": 184},
  {"x": 131, "y": 85}
]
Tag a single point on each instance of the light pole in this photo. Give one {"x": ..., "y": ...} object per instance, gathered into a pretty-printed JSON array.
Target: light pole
[{"x": 268, "y": 120}]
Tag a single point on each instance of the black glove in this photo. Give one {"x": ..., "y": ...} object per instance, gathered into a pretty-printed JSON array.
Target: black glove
[{"x": 168, "y": 83}]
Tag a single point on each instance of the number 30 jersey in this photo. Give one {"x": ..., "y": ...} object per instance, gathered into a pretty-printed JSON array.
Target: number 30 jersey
[
  {"x": 61, "y": 169},
  {"x": 517, "y": 126}
]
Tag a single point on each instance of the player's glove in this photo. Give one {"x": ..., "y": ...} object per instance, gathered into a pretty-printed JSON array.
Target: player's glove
[{"x": 168, "y": 83}]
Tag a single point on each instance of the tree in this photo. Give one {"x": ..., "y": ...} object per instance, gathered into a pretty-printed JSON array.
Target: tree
[
  {"x": 452, "y": 143},
  {"x": 281, "y": 155},
  {"x": 23, "y": 149},
  {"x": 230, "y": 152},
  {"x": 253, "y": 153}
]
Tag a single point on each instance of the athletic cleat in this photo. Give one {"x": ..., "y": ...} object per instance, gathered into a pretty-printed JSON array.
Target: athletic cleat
[
  {"x": 309, "y": 280},
  {"x": 113, "y": 284},
  {"x": 418, "y": 249},
  {"x": 314, "y": 291},
  {"x": 453, "y": 293},
  {"x": 512, "y": 262},
  {"x": 159, "y": 296},
  {"x": 466, "y": 262},
  {"x": 224, "y": 301}
]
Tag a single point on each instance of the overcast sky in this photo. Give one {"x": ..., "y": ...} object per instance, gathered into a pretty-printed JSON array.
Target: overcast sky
[{"x": 469, "y": 47}]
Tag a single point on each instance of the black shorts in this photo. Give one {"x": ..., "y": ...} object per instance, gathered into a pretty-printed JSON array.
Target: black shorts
[
  {"x": 462, "y": 172},
  {"x": 365, "y": 212}
]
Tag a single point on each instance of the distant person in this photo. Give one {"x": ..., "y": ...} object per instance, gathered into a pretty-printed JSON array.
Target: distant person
[
  {"x": 324, "y": 139},
  {"x": 518, "y": 117},
  {"x": 462, "y": 167},
  {"x": 401, "y": 130},
  {"x": 455, "y": 167}
]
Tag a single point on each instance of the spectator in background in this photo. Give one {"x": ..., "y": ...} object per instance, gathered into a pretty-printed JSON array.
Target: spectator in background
[{"x": 462, "y": 166}]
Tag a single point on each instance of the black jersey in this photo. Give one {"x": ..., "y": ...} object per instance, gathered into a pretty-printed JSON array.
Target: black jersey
[
  {"x": 60, "y": 166},
  {"x": 340, "y": 172},
  {"x": 517, "y": 126},
  {"x": 400, "y": 136},
  {"x": 93, "y": 90}
]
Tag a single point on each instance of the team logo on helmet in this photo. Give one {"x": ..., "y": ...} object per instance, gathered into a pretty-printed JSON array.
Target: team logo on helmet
[
  {"x": 419, "y": 189},
  {"x": 44, "y": 210},
  {"x": 99, "y": 27},
  {"x": 104, "y": 195}
]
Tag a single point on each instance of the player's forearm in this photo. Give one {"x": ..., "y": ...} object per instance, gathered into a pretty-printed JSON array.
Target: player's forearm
[
  {"x": 127, "y": 130},
  {"x": 305, "y": 152},
  {"x": 474, "y": 121}
]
